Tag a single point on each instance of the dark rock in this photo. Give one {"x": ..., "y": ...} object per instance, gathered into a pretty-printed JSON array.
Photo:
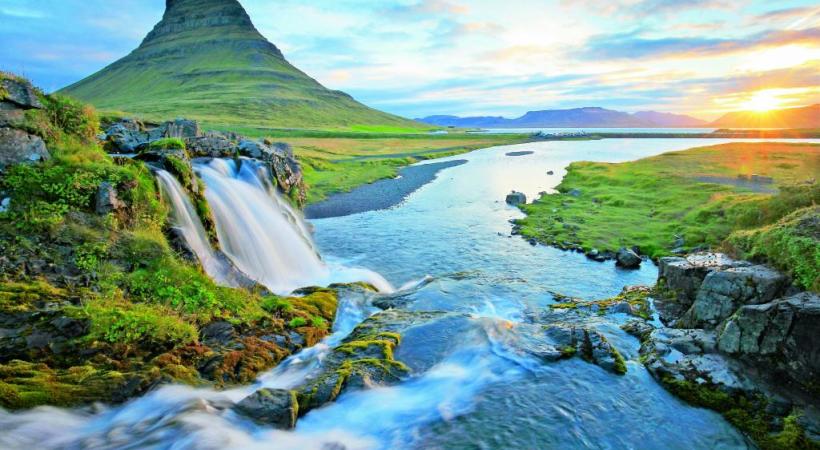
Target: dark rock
[
  {"x": 180, "y": 128},
  {"x": 21, "y": 93},
  {"x": 550, "y": 172},
  {"x": 516, "y": 198},
  {"x": 11, "y": 115},
  {"x": 627, "y": 259},
  {"x": 220, "y": 332},
  {"x": 574, "y": 192},
  {"x": 596, "y": 255},
  {"x": 126, "y": 136},
  {"x": 106, "y": 200},
  {"x": 213, "y": 145},
  {"x": 17, "y": 146},
  {"x": 723, "y": 292},
  {"x": 684, "y": 276},
  {"x": 782, "y": 335},
  {"x": 277, "y": 407},
  {"x": 70, "y": 327}
]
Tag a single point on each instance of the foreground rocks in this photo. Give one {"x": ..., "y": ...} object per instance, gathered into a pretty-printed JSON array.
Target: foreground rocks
[
  {"x": 134, "y": 136},
  {"x": 17, "y": 145},
  {"x": 740, "y": 340},
  {"x": 276, "y": 407},
  {"x": 516, "y": 198}
]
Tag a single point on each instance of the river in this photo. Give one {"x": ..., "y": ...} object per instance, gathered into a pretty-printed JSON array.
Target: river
[{"x": 471, "y": 387}]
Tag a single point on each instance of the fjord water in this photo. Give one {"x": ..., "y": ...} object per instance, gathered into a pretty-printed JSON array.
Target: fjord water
[{"x": 473, "y": 386}]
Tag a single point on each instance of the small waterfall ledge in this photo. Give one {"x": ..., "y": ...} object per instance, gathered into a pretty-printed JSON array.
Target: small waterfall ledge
[{"x": 259, "y": 232}]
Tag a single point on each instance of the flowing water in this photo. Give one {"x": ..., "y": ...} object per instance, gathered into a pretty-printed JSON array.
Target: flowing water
[
  {"x": 262, "y": 235},
  {"x": 473, "y": 387}
]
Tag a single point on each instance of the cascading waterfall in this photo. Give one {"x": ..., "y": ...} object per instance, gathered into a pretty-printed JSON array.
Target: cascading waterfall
[
  {"x": 186, "y": 220},
  {"x": 263, "y": 236}
]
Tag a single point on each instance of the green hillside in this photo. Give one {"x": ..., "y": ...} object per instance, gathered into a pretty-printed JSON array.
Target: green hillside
[{"x": 205, "y": 60}]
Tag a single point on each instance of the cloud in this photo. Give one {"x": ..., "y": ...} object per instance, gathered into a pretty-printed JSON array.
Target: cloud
[
  {"x": 632, "y": 45},
  {"x": 645, "y": 8}
]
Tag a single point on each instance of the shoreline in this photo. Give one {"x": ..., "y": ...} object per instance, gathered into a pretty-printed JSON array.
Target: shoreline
[{"x": 382, "y": 194}]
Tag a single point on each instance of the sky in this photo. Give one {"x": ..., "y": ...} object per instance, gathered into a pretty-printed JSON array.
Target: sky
[{"x": 477, "y": 57}]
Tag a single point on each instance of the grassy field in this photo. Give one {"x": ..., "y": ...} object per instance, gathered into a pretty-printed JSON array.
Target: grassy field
[
  {"x": 338, "y": 162},
  {"x": 694, "y": 194}
]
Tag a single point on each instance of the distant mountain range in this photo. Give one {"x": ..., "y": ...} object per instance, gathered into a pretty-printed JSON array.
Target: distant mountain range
[
  {"x": 591, "y": 117},
  {"x": 205, "y": 60},
  {"x": 803, "y": 117}
]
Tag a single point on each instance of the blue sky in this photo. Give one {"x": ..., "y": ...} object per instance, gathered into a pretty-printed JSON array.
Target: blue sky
[{"x": 477, "y": 57}]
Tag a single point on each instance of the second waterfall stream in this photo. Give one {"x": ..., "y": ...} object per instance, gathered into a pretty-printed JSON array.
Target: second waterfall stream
[{"x": 258, "y": 231}]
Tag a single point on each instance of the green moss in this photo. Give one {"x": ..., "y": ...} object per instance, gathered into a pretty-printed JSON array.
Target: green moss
[
  {"x": 127, "y": 323},
  {"x": 167, "y": 144},
  {"x": 297, "y": 322},
  {"x": 792, "y": 244},
  {"x": 25, "y": 384},
  {"x": 636, "y": 296},
  {"x": 620, "y": 363},
  {"x": 746, "y": 414}
]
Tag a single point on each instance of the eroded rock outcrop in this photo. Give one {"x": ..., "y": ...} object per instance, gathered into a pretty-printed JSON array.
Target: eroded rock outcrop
[
  {"x": 17, "y": 145},
  {"x": 133, "y": 136},
  {"x": 743, "y": 342}
]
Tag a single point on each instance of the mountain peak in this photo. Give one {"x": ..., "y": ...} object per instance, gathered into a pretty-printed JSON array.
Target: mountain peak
[{"x": 205, "y": 60}]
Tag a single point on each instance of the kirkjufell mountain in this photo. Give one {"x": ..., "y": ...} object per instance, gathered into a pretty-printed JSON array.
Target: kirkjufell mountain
[{"x": 205, "y": 60}]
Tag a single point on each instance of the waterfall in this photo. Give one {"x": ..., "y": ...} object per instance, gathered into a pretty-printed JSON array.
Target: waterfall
[
  {"x": 262, "y": 235},
  {"x": 186, "y": 220}
]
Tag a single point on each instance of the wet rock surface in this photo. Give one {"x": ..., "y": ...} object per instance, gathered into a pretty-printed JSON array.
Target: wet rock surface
[
  {"x": 276, "y": 407},
  {"x": 627, "y": 259},
  {"x": 738, "y": 339}
]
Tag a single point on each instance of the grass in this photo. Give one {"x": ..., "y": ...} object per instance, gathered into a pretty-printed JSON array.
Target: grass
[
  {"x": 338, "y": 162},
  {"x": 143, "y": 304},
  {"x": 650, "y": 201}
]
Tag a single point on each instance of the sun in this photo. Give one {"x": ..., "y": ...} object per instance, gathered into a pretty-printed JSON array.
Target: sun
[{"x": 762, "y": 101}]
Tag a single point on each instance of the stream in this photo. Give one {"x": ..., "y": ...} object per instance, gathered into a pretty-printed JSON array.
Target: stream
[{"x": 448, "y": 246}]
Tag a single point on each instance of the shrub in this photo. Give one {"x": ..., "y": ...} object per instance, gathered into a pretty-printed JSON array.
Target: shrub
[
  {"x": 297, "y": 322},
  {"x": 273, "y": 304},
  {"x": 73, "y": 118}
]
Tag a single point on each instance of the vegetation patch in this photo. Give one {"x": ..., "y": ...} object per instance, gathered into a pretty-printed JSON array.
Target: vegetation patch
[
  {"x": 651, "y": 202},
  {"x": 746, "y": 414}
]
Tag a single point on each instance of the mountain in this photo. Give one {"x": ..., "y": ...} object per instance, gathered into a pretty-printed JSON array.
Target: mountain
[
  {"x": 205, "y": 60},
  {"x": 590, "y": 117},
  {"x": 463, "y": 122},
  {"x": 803, "y": 117},
  {"x": 670, "y": 120}
]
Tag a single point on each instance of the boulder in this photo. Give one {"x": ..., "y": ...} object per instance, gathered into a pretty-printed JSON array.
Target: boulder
[
  {"x": 563, "y": 340},
  {"x": 276, "y": 407},
  {"x": 782, "y": 335},
  {"x": 219, "y": 332},
  {"x": 125, "y": 136},
  {"x": 724, "y": 291},
  {"x": 17, "y": 146},
  {"x": 690, "y": 355},
  {"x": 212, "y": 144},
  {"x": 180, "y": 128},
  {"x": 11, "y": 115},
  {"x": 106, "y": 200},
  {"x": 516, "y": 198},
  {"x": 21, "y": 93},
  {"x": 684, "y": 276},
  {"x": 627, "y": 259}
]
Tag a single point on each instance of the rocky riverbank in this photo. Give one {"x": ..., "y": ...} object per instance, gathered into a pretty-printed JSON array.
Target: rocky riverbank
[
  {"x": 738, "y": 338},
  {"x": 99, "y": 299}
]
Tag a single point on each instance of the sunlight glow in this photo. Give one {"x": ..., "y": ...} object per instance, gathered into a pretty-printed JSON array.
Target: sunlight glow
[{"x": 762, "y": 101}]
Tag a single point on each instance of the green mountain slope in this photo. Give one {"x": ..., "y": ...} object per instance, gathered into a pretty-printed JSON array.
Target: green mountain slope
[{"x": 205, "y": 60}]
